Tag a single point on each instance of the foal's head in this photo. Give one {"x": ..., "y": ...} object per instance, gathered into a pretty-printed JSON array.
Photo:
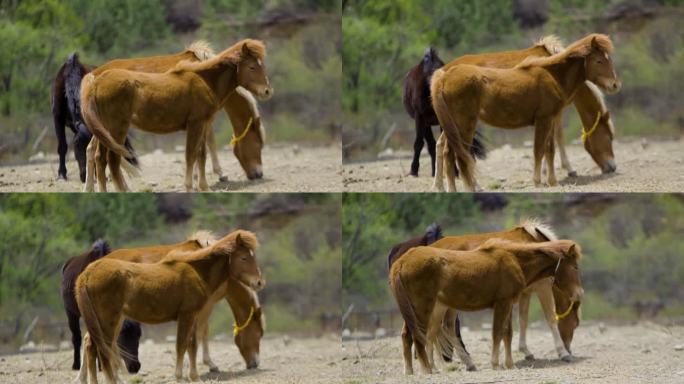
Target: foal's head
[
  {"x": 567, "y": 277},
  {"x": 243, "y": 266},
  {"x": 431, "y": 63},
  {"x": 251, "y": 71},
  {"x": 598, "y": 64}
]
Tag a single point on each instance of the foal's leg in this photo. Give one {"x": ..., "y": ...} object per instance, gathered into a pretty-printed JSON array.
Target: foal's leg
[
  {"x": 202, "y": 162},
  {"x": 202, "y": 332},
  {"x": 438, "y": 183},
  {"x": 545, "y": 294},
  {"x": 508, "y": 338},
  {"x": 185, "y": 328},
  {"x": 523, "y": 312},
  {"x": 449, "y": 164},
  {"x": 560, "y": 140},
  {"x": 101, "y": 163},
  {"x": 90, "y": 165},
  {"x": 502, "y": 312},
  {"x": 417, "y": 145},
  {"x": 434, "y": 330},
  {"x": 407, "y": 343},
  {"x": 114, "y": 161},
  {"x": 211, "y": 147},
  {"x": 542, "y": 129},
  {"x": 193, "y": 140},
  {"x": 550, "y": 157}
]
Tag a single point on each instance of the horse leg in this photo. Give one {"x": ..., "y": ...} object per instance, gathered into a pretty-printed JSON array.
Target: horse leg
[
  {"x": 523, "y": 312},
  {"x": 407, "y": 343},
  {"x": 211, "y": 147},
  {"x": 62, "y": 146},
  {"x": 90, "y": 165},
  {"x": 560, "y": 141},
  {"x": 468, "y": 127},
  {"x": 192, "y": 142},
  {"x": 417, "y": 146},
  {"x": 101, "y": 166},
  {"x": 438, "y": 182},
  {"x": 89, "y": 360},
  {"x": 449, "y": 324},
  {"x": 502, "y": 311},
  {"x": 202, "y": 162},
  {"x": 114, "y": 161},
  {"x": 450, "y": 167},
  {"x": 75, "y": 328},
  {"x": 545, "y": 295},
  {"x": 542, "y": 129},
  {"x": 459, "y": 347},
  {"x": 192, "y": 355},
  {"x": 550, "y": 157},
  {"x": 183, "y": 332},
  {"x": 202, "y": 332},
  {"x": 508, "y": 338},
  {"x": 430, "y": 140},
  {"x": 434, "y": 330}
]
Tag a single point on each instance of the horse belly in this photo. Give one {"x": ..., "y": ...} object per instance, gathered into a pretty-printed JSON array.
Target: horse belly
[
  {"x": 159, "y": 112},
  {"x": 507, "y": 109}
]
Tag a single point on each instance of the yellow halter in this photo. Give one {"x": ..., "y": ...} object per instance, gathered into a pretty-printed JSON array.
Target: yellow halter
[
  {"x": 236, "y": 139},
  {"x": 239, "y": 328},
  {"x": 586, "y": 134},
  {"x": 566, "y": 313}
]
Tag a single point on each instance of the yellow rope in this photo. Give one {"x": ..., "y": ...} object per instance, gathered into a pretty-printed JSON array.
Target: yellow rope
[
  {"x": 237, "y": 139},
  {"x": 586, "y": 134},
  {"x": 566, "y": 313},
  {"x": 239, "y": 328}
]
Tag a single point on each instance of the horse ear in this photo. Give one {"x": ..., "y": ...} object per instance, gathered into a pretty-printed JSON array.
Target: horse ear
[
  {"x": 572, "y": 251},
  {"x": 594, "y": 44},
  {"x": 540, "y": 233},
  {"x": 245, "y": 50},
  {"x": 238, "y": 240}
]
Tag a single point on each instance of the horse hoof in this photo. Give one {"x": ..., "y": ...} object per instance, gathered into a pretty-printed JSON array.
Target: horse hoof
[
  {"x": 413, "y": 174},
  {"x": 572, "y": 174},
  {"x": 471, "y": 368},
  {"x": 61, "y": 178},
  {"x": 529, "y": 357},
  {"x": 213, "y": 369},
  {"x": 567, "y": 358},
  {"x": 223, "y": 179}
]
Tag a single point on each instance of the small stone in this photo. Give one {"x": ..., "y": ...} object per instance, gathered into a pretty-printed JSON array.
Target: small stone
[
  {"x": 646, "y": 350},
  {"x": 602, "y": 327},
  {"x": 679, "y": 347}
]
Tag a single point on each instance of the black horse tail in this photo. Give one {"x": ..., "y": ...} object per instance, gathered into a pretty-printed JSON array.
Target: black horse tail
[
  {"x": 433, "y": 233},
  {"x": 477, "y": 148}
]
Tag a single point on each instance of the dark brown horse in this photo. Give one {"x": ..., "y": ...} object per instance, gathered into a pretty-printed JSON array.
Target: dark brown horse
[
  {"x": 66, "y": 111},
  {"x": 418, "y": 105},
  {"x": 130, "y": 333}
]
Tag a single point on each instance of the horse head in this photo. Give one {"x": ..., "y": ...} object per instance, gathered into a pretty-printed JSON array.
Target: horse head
[
  {"x": 249, "y": 322},
  {"x": 129, "y": 341},
  {"x": 243, "y": 265},
  {"x": 431, "y": 63},
  {"x": 566, "y": 275},
  {"x": 251, "y": 70},
  {"x": 598, "y": 64}
]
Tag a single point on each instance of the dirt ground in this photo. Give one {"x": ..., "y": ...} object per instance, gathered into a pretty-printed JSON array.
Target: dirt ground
[
  {"x": 643, "y": 353},
  {"x": 642, "y": 166},
  {"x": 287, "y": 168},
  {"x": 282, "y": 362}
]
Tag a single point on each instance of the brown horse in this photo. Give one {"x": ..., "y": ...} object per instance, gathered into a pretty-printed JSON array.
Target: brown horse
[
  {"x": 534, "y": 92},
  {"x": 562, "y": 316},
  {"x": 184, "y": 98},
  {"x": 597, "y": 127},
  {"x": 427, "y": 281},
  {"x": 175, "y": 289}
]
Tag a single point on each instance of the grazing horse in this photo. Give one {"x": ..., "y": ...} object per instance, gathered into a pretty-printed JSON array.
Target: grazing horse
[
  {"x": 186, "y": 97},
  {"x": 66, "y": 111},
  {"x": 597, "y": 126},
  {"x": 174, "y": 289},
  {"x": 243, "y": 302},
  {"x": 534, "y": 92},
  {"x": 418, "y": 106},
  {"x": 130, "y": 334},
  {"x": 427, "y": 281}
]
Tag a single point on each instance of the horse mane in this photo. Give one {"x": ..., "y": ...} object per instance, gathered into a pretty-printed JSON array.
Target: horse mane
[
  {"x": 201, "y": 49},
  {"x": 255, "y": 110},
  {"x": 203, "y": 238},
  {"x": 433, "y": 233},
  {"x": 535, "y": 227},
  {"x": 225, "y": 245},
  {"x": 580, "y": 48},
  {"x": 231, "y": 55},
  {"x": 555, "y": 247},
  {"x": 552, "y": 43}
]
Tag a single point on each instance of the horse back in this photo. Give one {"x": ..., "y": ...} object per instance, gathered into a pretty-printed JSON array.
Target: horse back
[
  {"x": 152, "y": 254},
  {"x": 153, "y": 64}
]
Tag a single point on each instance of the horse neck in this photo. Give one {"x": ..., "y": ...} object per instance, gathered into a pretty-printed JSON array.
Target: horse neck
[
  {"x": 588, "y": 105},
  {"x": 211, "y": 267},
  {"x": 221, "y": 79},
  {"x": 534, "y": 264},
  {"x": 569, "y": 75},
  {"x": 240, "y": 300}
]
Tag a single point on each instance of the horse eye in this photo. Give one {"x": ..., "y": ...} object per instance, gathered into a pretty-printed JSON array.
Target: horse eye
[
  {"x": 243, "y": 258},
  {"x": 252, "y": 68}
]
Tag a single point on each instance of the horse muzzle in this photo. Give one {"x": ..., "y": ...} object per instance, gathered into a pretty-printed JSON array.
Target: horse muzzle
[
  {"x": 258, "y": 284},
  {"x": 133, "y": 366},
  {"x": 265, "y": 94},
  {"x": 253, "y": 363},
  {"x": 609, "y": 166},
  {"x": 256, "y": 173}
]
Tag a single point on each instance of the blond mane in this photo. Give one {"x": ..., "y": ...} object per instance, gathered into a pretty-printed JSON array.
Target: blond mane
[
  {"x": 201, "y": 49},
  {"x": 533, "y": 225},
  {"x": 232, "y": 55},
  {"x": 557, "y": 247},
  {"x": 552, "y": 43},
  {"x": 580, "y": 48},
  {"x": 203, "y": 238},
  {"x": 225, "y": 244}
]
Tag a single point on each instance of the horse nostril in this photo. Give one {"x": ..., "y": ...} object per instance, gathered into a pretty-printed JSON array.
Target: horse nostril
[{"x": 259, "y": 174}]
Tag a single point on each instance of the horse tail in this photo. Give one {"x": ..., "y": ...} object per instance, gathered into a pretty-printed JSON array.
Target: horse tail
[
  {"x": 92, "y": 323},
  {"x": 433, "y": 233},
  {"x": 465, "y": 160},
  {"x": 406, "y": 308},
  {"x": 92, "y": 118},
  {"x": 478, "y": 148}
]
